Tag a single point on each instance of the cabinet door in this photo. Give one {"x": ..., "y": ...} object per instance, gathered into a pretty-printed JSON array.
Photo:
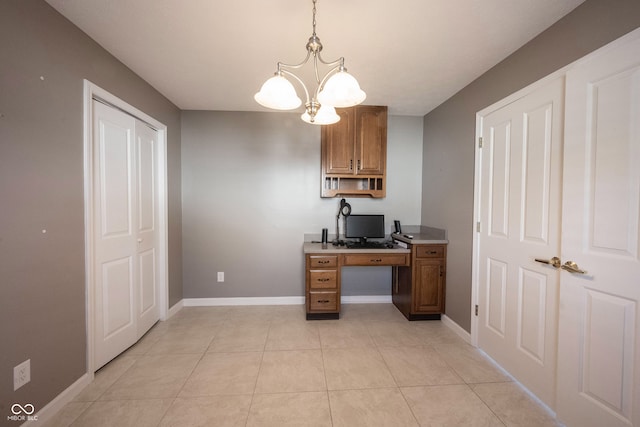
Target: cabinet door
[
  {"x": 428, "y": 291},
  {"x": 371, "y": 140},
  {"x": 338, "y": 145}
]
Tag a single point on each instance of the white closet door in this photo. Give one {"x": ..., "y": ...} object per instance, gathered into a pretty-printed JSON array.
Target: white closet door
[
  {"x": 115, "y": 232},
  {"x": 599, "y": 335},
  {"x": 148, "y": 308},
  {"x": 125, "y": 230},
  {"x": 520, "y": 182}
]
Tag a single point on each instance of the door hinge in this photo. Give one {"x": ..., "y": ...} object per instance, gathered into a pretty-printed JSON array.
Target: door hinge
[
  {"x": 478, "y": 227},
  {"x": 476, "y": 309},
  {"x": 480, "y": 142}
]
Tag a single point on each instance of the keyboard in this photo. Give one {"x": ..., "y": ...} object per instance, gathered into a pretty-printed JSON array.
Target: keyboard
[{"x": 369, "y": 245}]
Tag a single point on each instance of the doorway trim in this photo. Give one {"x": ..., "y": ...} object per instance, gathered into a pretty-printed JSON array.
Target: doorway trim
[{"x": 94, "y": 92}]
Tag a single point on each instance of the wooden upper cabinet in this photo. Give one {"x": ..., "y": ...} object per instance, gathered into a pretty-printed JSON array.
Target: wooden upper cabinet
[
  {"x": 354, "y": 153},
  {"x": 339, "y": 144},
  {"x": 371, "y": 140}
]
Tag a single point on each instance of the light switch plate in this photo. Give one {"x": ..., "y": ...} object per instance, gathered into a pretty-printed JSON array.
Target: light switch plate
[{"x": 21, "y": 374}]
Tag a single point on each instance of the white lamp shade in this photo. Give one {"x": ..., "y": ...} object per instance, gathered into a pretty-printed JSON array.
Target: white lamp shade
[
  {"x": 341, "y": 90},
  {"x": 278, "y": 93},
  {"x": 326, "y": 115}
]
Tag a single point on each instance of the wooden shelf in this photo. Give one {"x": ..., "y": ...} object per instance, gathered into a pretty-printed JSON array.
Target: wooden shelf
[{"x": 372, "y": 186}]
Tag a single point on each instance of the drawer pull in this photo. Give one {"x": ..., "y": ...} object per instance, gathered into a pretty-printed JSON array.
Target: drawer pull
[
  {"x": 324, "y": 279},
  {"x": 432, "y": 252},
  {"x": 376, "y": 260},
  {"x": 323, "y": 301},
  {"x": 325, "y": 261}
]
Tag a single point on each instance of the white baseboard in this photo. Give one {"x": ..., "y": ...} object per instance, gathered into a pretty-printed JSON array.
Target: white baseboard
[
  {"x": 214, "y": 302},
  {"x": 174, "y": 309},
  {"x": 365, "y": 299},
  {"x": 211, "y": 302},
  {"x": 52, "y": 408},
  {"x": 466, "y": 336}
]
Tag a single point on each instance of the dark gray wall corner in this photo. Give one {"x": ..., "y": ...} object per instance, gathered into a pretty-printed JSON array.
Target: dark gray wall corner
[
  {"x": 449, "y": 130},
  {"x": 43, "y": 61}
]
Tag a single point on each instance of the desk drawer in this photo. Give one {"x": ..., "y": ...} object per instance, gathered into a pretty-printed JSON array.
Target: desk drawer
[
  {"x": 323, "y": 279},
  {"x": 376, "y": 259},
  {"x": 323, "y": 301},
  {"x": 321, "y": 261},
  {"x": 428, "y": 251}
]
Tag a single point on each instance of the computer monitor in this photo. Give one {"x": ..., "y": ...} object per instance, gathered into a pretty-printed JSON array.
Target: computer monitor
[{"x": 363, "y": 227}]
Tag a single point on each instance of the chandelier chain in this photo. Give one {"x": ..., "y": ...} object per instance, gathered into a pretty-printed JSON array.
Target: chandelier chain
[{"x": 314, "y": 18}]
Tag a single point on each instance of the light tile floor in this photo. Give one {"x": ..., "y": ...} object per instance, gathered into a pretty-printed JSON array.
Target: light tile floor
[{"x": 268, "y": 366}]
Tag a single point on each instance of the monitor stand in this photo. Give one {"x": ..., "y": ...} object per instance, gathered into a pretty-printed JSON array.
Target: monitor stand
[{"x": 360, "y": 242}]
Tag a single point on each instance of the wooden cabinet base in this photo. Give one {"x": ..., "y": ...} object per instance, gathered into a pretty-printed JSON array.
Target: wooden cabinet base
[
  {"x": 322, "y": 316},
  {"x": 435, "y": 316},
  {"x": 419, "y": 289}
]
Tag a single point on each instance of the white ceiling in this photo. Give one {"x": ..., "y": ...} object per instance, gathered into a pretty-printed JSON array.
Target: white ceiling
[{"x": 408, "y": 54}]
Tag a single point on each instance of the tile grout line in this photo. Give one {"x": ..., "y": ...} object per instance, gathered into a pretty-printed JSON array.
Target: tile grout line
[
  {"x": 173, "y": 400},
  {"x": 486, "y": 404},
  {"x": 404, "y": 398},
  {"x": 326, "y": 382},
  {"x": 255, "y": 384}
]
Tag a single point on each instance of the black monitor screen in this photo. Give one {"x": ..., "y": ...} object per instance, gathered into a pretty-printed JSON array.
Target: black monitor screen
[{"x": 364, "y": 226}]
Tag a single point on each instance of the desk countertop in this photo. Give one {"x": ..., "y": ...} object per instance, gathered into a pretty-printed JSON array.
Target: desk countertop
[
  {"x": 423, "y": 236},
  {"x": 317, "y": 248}
]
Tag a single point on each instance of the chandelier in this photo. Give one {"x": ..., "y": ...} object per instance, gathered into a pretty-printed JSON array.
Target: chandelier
[{"x": 336, "y": 89}]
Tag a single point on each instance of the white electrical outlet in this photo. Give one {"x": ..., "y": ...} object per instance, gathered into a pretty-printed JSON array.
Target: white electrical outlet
[
  {"x": 21, "y": 374},
  {"x": 220, "y": 276}
]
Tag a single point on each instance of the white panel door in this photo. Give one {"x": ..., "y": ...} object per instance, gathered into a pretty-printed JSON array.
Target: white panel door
[
  {"x": 520, "y": 182},
  {"x": 114, "y": 233},
  {"x": 148, "y": 308},
  {"x": 125, "y": 232},
  {"x": 599, "y": 339}
]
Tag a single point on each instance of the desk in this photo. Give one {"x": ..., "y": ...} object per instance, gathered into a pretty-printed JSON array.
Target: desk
[
  {"x": 418, "y": 277},
  {"x": 323, "y": 270}
]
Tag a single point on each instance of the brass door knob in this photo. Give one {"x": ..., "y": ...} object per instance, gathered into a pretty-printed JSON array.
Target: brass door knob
[
  {"x": 572, "y": 267},
  {"x": 555, "y": 261}
]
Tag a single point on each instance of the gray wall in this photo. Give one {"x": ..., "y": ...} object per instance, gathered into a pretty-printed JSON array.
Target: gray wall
[
  {"x": 251, "y": 190},
  {"x": 42, "y": 282},
  {"x": 449, "y": 130}
]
